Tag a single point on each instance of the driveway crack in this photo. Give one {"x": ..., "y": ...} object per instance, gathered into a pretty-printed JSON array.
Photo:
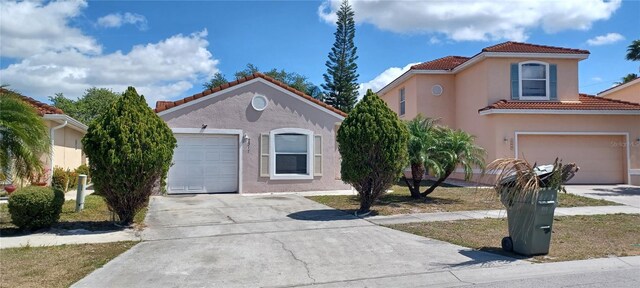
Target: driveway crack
[{"x": 306, "y": 266}]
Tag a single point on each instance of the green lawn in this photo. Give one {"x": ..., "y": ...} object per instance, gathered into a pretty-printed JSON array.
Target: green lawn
[
  {"x": 443, "y": 199},
  {"x": 573, "y": 238},
  {"x": 94, "y": 216},
  {"x": 55, "y": 266}
]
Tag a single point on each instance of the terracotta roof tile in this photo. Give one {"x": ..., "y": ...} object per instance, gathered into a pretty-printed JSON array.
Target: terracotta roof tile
[
  {"x": 444, "y": 63},
  {"x": 41, "y": 108},
  {"x": 164, "y": 105},
  {"x": 518, "y": 47},
  {"x": 585, "y": 102}
]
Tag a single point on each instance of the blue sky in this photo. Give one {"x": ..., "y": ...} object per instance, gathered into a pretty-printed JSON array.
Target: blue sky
[{"x": 167, "y": 49}]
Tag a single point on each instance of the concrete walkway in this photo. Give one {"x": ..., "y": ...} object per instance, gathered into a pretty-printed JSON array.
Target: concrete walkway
[
  {"x": 623, "y": 194},
  {"x": 481, "y": 214},
  {"x": 65, "y": 237}
]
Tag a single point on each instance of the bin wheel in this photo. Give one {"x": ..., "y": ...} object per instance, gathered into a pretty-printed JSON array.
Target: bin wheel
[{"x": 507, "y": 244}]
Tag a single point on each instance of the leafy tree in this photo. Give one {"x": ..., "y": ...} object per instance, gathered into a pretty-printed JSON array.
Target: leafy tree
[
  {"x": 373, "y": 145},
  {"x": 628, "y": 78},
  {"x": 461, "y": 150},
  {"x": 89, "y": 106},
  {"x": 23, "y": 138},
  {"x": 295, "y": 80},
  {"x": 633, "y": 51},
  {"x": 130, "y": 150},
  {"x": 217, "y": 80},
  {"x": 423, "y": 152},
  {"x": 341, "y": 79}
]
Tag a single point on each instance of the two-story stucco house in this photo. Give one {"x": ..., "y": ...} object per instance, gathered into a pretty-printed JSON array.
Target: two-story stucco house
[
  {"x": 629, "y": 92},
  {"x": 522, "y": 100}
]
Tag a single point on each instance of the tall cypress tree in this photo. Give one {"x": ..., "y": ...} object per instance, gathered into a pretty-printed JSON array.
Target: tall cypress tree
[{"x": 341, "y": 87}]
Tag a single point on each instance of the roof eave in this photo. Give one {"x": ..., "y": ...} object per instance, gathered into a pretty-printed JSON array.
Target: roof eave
[
  {"x": 73, "y": 123},
  {"x": 558, "y": 112}
]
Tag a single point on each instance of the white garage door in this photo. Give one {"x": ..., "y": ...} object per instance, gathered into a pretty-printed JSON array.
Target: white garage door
[
  {"x": 601, "y": 158},
  {"x": 204, "y": 164}
]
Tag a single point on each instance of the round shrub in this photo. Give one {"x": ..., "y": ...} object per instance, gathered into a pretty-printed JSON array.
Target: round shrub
[
  {"x": 73, "y": 179},
  {"x": 84, "y": 169},
  {"x": 35, "y": 207},
  {"x": 60, "y": 179}
]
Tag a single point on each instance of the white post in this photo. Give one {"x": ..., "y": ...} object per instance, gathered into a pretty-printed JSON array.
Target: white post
[{"x": 82, "y": 187}]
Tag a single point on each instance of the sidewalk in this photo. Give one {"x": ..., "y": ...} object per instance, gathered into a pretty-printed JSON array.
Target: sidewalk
[
  {"x": 514, "y": 275},
  {"x": 64, "y": 237},
  {"x": 481, "y": 214}
]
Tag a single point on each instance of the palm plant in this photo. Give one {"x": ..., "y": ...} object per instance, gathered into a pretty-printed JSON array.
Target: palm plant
[
  {"x": 517, "y": 180},
  {"x": 633, "y": 51},
  {"x": 23, "y": 138},
  {"x": 628, "y": 78},
  {"x": 460, "y": 150},
  {"x": 423, "y": 151}
]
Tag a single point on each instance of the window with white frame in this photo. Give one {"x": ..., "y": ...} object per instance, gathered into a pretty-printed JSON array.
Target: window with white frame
[
  {"x": 534, "y": 80},
  {"x": 402, "y": 102},
  {"x": 291, "y": 154}
]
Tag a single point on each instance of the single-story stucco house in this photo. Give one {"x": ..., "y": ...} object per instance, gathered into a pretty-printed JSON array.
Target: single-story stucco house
[
  {"x": 65, "y": 135},
  {"x": 629, "y": 92},
  {"x": 522, "y": 100},
  {"x": 253, "y": 135}
]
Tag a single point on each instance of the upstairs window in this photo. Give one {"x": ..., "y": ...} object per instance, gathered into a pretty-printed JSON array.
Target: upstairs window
[
  {"x": 402, "y": 102},
  {"x": 534, "y": 81}
]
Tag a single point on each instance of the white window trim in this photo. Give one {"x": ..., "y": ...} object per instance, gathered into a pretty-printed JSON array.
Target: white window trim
[
  {"x": 272, "y": 154},
  {"x": 548, "y": 90},
  {"x": 403, "y": 93}
]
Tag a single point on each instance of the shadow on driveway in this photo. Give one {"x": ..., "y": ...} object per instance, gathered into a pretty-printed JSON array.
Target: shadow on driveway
[
  {"x": 617, "y": 191},
  {"x": 322, "y": 215},
  {"x": 486, "y": 257}
]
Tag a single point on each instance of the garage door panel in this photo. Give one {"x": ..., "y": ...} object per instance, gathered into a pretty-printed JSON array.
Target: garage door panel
[
  {"x": 599, "y": 159},
  {"x": 204, "y": 164}
]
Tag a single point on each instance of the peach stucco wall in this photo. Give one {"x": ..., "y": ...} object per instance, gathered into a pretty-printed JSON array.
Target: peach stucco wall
[
  {"x": 232, "y": 110},
  {"x": 67, "y": 149},
  {"x": 630, "y": 93},
  {"x": 439, "y": 107}
]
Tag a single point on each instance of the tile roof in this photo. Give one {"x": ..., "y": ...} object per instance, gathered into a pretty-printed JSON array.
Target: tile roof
[
  {"x": 585, "y": 102},
  {"x": 41, "y": 108},
  {"x": 164, "y": 105},
  {"x": 444, "y": 63},
  {"x": 519, "y": 47}
]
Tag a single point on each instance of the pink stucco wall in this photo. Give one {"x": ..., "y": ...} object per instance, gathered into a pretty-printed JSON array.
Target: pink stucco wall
[
  {"x": 232, "y": 110},
  {"x": 630, "y": 93}
]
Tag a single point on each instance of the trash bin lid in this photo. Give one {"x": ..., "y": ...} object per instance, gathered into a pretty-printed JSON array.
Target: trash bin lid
[{"x": 541, "y": 172}]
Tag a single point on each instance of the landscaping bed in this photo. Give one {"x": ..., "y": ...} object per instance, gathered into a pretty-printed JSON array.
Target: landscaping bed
[
  {"x": 573, "y": 238},
  {"x": 95, "y": 216},
  {"x": 55, "y": 266},
  {"x": 443, "y": 199}
]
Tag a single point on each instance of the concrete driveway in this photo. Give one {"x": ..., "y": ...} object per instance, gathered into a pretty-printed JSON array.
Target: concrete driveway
[
  {"x": 624, "y": 194},
  {"x": 271, "y": 241}
]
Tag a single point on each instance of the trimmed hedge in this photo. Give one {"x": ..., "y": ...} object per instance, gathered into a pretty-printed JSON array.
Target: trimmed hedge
[
  {"x": 60, "y": 178},
  {"x": 35, "y": 207}
]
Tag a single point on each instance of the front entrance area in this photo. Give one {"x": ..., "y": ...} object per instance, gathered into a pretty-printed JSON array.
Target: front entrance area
[
  {"x": 601, "y": 158},
  {"x": 204, "y": 163}
]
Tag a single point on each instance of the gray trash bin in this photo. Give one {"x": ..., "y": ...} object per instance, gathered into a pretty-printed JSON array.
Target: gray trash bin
[{"x": 530, "y": 222}]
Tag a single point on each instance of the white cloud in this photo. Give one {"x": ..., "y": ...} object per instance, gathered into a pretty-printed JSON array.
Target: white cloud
[
  {"x": 31, "y": 27},
  {"x": 383, "y": 79},
  {"x": 609, "y": 38},
  {"x": 116, "y": 20},
  {"x": 476, "y": 20},
  {"x": 596, "y": 79},
  {"x": 160, "y": 70}
]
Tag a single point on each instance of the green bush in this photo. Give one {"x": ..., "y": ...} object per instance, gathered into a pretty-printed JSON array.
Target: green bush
[
  {"x": 84, "y": 169},
  {"x": 130, "y": 150},
  {"x": 73, "y": 179},
  {"x": 373, "y": 145},
  {"x": 35, "y": 207},
  {"x": 60, "y": 179}
]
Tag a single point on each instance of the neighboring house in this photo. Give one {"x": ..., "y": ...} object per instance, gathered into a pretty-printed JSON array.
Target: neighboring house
[
  {"x": 66, "y": 136},
  {"x": 521, "y": 100},
  {"x": 253, "y": 135},
  {"x": 629, "y": 92}
]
